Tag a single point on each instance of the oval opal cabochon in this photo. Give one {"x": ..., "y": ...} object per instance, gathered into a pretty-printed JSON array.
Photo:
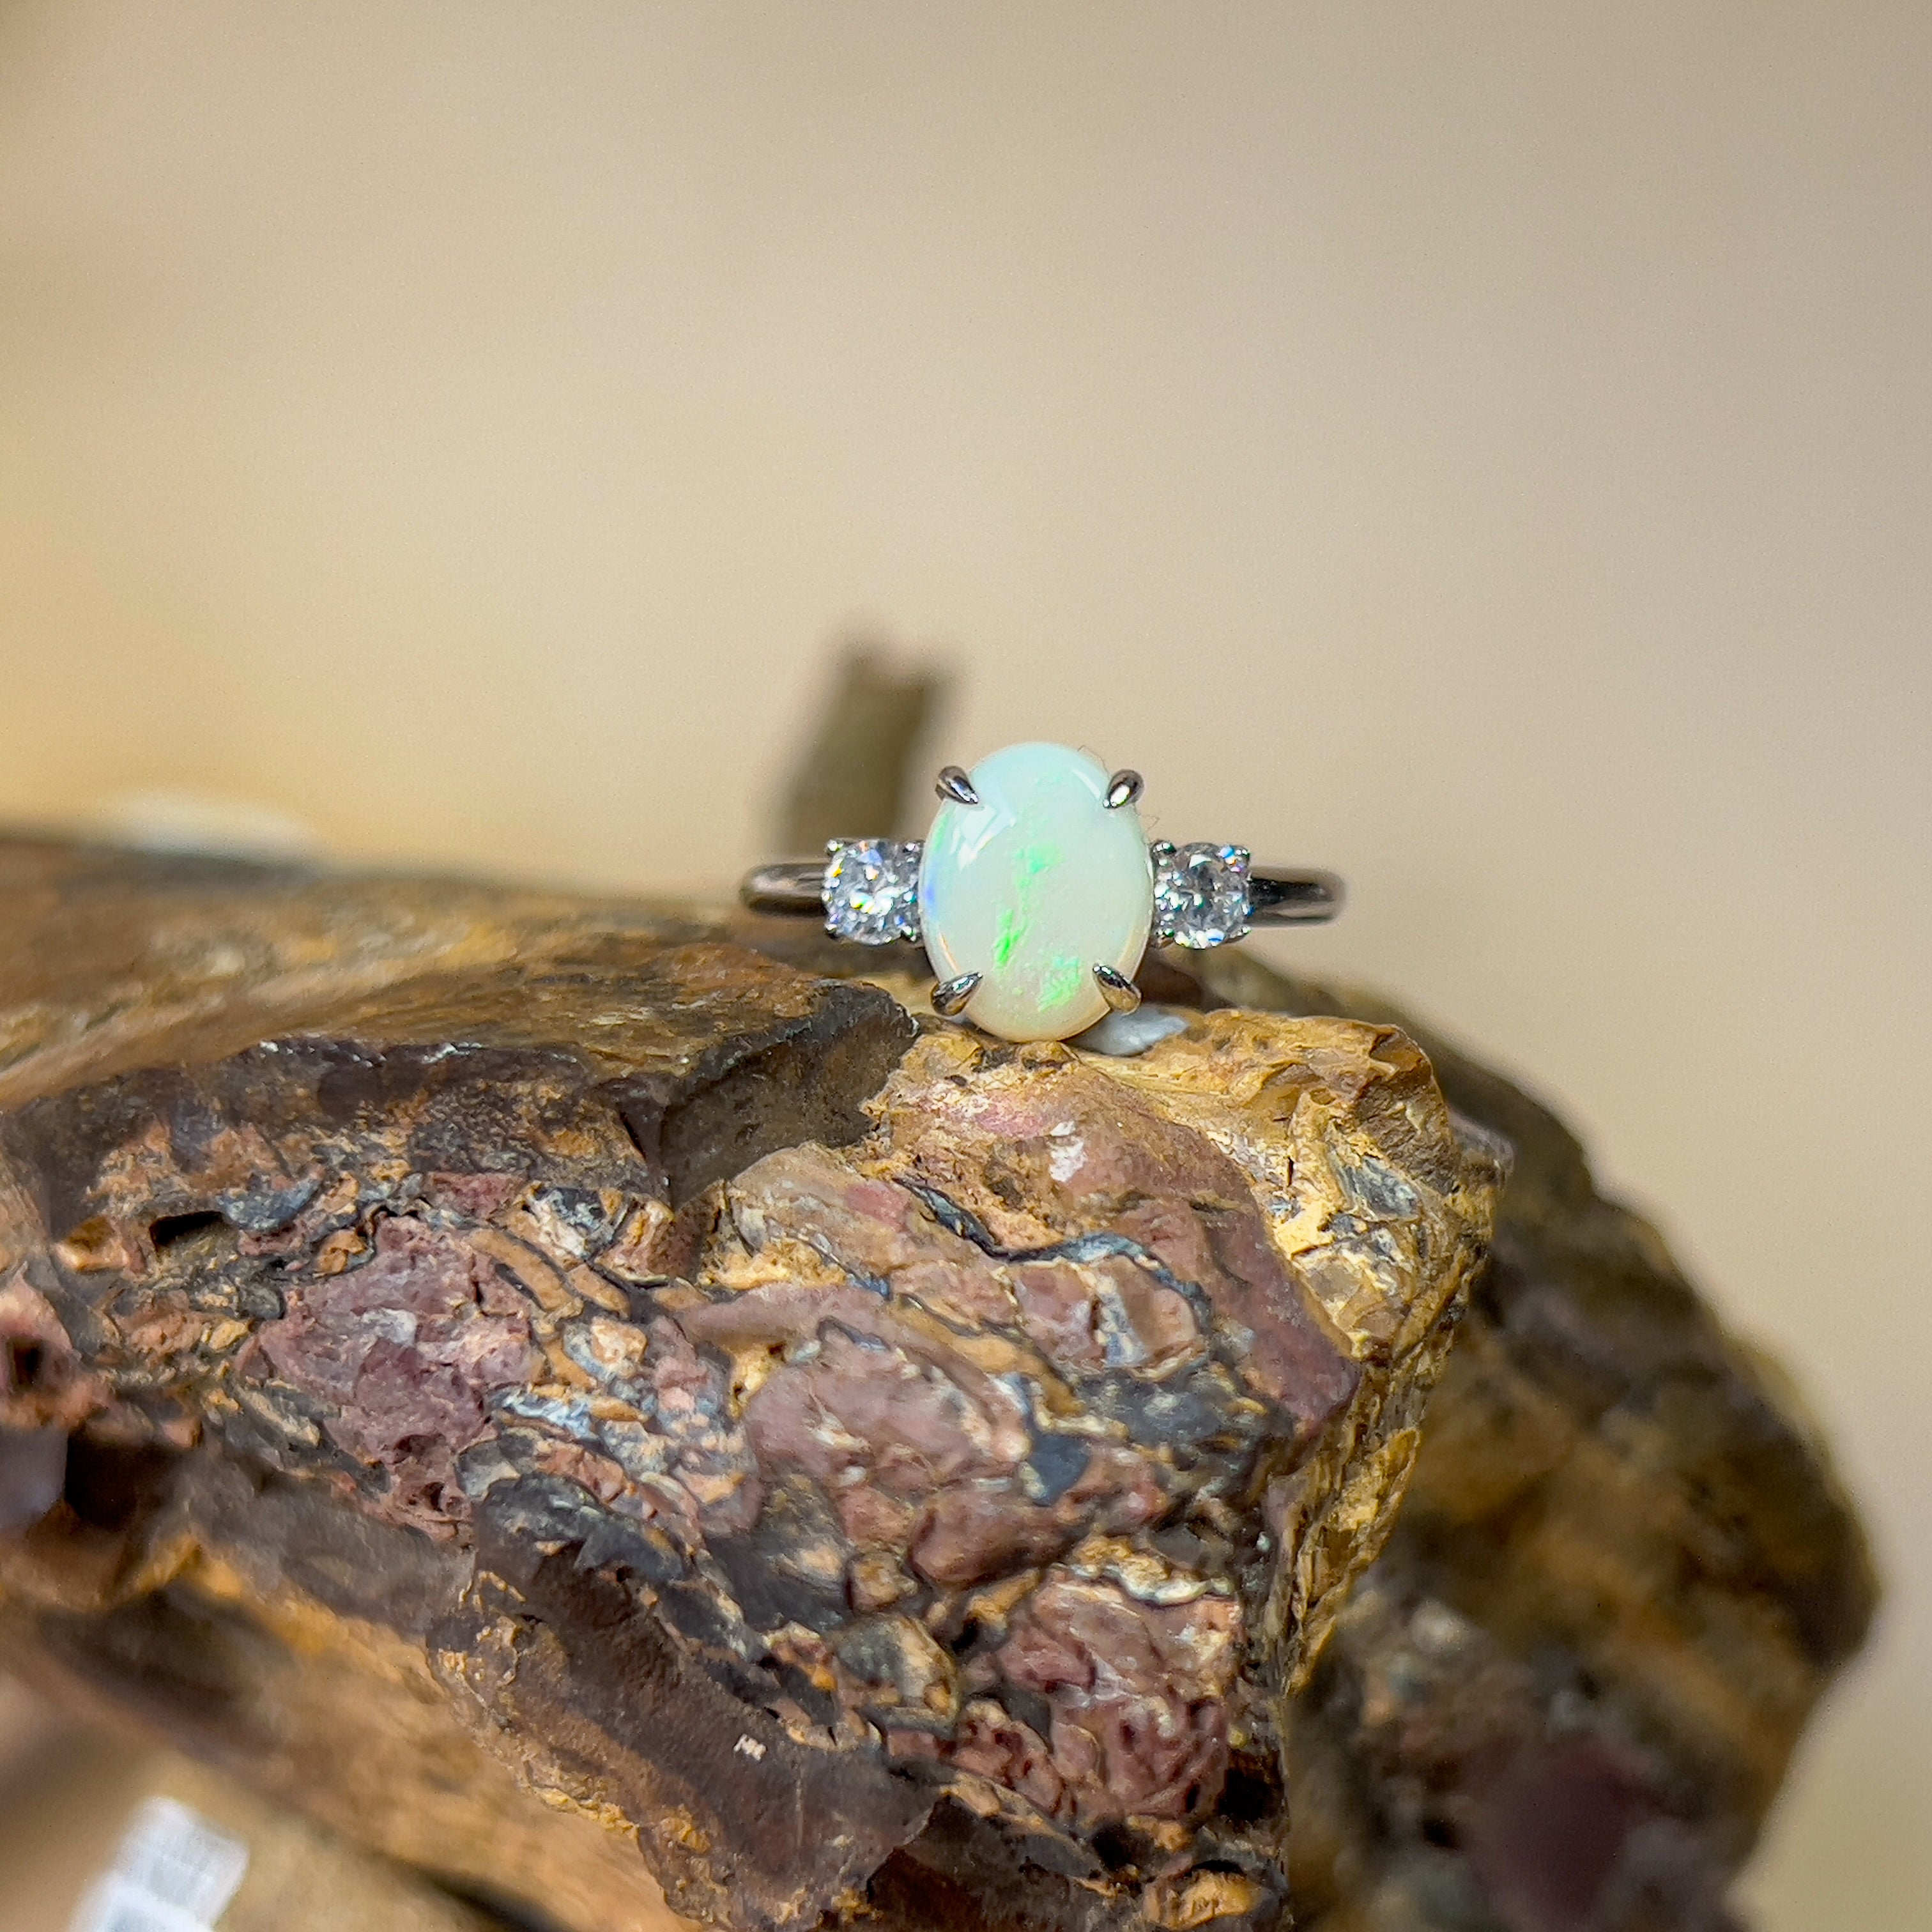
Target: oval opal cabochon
[{"x": 1034, "y": 886}]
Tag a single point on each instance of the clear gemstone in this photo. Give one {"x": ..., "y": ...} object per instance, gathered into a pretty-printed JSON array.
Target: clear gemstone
[
  {"x": 1201, "y": 894},
  {"x": 871, "y": 889}
]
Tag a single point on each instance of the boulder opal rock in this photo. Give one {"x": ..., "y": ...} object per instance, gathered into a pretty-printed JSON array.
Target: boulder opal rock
[
  {"x": 1623, "y": 1575},
  {"x": 871, "y": 1471},
  {"x": 1624, "y": 1572}
]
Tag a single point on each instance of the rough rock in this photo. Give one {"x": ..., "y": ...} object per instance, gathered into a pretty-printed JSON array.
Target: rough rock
[
  {"x": 1624, "y": 1573},
  {"x": 870, "y": 1470}
]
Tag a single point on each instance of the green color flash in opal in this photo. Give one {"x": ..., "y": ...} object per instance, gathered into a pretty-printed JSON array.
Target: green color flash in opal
[
  {"x": 1008, "y": 943},
  {"x": 1034, "y": 886},
  {"x": 1063, "y": 981}
]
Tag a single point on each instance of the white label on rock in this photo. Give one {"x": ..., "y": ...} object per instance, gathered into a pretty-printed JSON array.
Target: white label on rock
[{"x": 175, "y": 1872}]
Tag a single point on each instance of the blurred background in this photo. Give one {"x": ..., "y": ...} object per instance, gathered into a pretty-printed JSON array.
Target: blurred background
[{"x": 1486, "y": 448}]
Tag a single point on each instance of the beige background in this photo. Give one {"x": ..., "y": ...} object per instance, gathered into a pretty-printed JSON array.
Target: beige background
[{"x": 1487, "y": 447}]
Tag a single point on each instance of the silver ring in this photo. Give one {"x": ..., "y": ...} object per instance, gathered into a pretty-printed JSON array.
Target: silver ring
[
  {"x": 1037, "y": 891},
  {"x": 797, "y": 888}
]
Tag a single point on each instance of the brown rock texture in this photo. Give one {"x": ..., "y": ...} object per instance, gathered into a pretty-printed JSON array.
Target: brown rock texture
[
  {"x": 1624, "y": 1573},
  {"x": 505, "y": 1341}
]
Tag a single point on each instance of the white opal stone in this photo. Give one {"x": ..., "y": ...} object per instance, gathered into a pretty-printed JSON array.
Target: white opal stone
[{"x": 1032, "y": 888}]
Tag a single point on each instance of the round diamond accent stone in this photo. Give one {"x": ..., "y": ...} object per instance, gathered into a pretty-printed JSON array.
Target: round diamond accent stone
[
  {"x": 1201, "y": 894},
  {"x": 871, "y": 889},
  {"x": 1034, "y": 886}
]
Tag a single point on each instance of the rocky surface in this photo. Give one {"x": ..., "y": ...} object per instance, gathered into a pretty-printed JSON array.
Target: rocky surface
[
  {"x": 879, "y": 1472},
  {"x": 1623, "y": 1577}
]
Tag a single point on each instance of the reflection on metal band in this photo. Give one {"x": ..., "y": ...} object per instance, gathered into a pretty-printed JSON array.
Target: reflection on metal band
[{"x": 796, "y": 887}]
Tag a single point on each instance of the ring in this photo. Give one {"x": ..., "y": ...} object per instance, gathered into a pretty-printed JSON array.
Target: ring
[{"x": 1036, "y": 892}]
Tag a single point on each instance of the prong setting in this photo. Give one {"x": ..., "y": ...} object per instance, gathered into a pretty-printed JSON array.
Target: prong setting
[
  {"x": 1120, "y": 992},
  {"x": 949, "y": 996},
  {"x": 1038, "y": 874}
]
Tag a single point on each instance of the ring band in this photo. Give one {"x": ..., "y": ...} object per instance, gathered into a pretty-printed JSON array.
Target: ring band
[
  {"x": 1037, "y": 891},
  {"x": 795, "y": 888}
]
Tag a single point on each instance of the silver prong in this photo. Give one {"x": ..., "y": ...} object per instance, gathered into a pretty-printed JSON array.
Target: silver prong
[
  {"x": 1121, "y": 992},
  {"x": 1123, "y": 788},
  {"x": 949, "y": 996},
  {"x": 954, "y": 784}
]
